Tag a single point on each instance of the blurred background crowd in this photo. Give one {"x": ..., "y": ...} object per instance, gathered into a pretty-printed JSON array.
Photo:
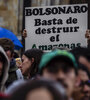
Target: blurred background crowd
[{"x": 34, "y": 74}]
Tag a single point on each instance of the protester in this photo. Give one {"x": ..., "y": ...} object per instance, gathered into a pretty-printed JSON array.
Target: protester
[
  {"x": 39, "y": 90},
  {"x": 30, "y": 62},
  {"x": 82, "y": 55},
  {"x": 84, "y": 75},
  {"x": 61, "y": 66},
  {"x": 8, "y": 47},
  {"x": 82, "y": 92},
  {"x": 28, "y": 67},
  {"x": 4, "y": 66}
]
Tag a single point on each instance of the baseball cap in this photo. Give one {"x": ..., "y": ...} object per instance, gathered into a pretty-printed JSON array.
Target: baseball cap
[{"x": 47, "y": 57}]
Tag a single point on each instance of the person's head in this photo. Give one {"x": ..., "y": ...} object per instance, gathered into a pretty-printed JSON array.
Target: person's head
[
  {"x": 30, "y": 61},
  {"x": 39, "y": 90},
  {"x": 82, "y": 55},
  {"x": 60, "y": 65},
  {"x": 8, "y": 46},
  {"x": 84, "y": 86},
  {"x": 4, "y": 66}
]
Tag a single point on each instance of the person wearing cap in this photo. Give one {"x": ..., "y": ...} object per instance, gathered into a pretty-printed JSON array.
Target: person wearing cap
[{"x": 61, "y": 66}]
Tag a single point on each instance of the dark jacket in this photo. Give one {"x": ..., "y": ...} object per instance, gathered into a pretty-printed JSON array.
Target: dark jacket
[{"x": 12, "y": 73}]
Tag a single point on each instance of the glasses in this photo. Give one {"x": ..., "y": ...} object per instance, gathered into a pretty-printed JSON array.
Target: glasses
[{"x": 85, "y": 83}]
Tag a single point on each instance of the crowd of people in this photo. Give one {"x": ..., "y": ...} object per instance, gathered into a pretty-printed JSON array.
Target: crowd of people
[{"x": 60, "y": 74}]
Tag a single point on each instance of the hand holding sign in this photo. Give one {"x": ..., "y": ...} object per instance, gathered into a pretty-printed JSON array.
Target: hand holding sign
[{"x": 87, "y": 34}]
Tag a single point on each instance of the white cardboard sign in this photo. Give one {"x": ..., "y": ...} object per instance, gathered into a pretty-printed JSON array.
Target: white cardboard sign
[{"x": 56, "y": 26}]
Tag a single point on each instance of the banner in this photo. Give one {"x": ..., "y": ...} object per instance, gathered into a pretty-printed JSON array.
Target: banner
[{"x": 62, "y": 26}]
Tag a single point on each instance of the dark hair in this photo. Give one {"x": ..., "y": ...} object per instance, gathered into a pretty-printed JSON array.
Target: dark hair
[
  {"x": 57, "y": 63},
  {"x": 56, "y": 90},
  {"x": 60, "y": 48},
  {"x": 81, "y": 51},
  {"x": 7, "y": 44},
  {"x": 36, "y": 54},
  {"x": 15, "y": 55},
  {"x": 84, "y": 68}
]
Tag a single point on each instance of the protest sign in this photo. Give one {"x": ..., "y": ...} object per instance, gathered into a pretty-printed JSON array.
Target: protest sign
[{"x": 56, "y": 26}]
